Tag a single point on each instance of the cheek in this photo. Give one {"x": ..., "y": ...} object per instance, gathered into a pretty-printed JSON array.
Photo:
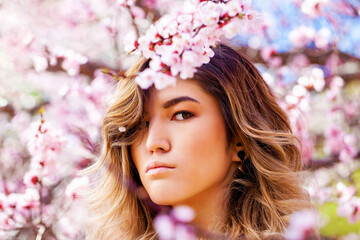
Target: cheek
[
  {"x": 210, "y": 134},
  {"x": 136, "y": 155},
  {"x": 205, "y": 141}
]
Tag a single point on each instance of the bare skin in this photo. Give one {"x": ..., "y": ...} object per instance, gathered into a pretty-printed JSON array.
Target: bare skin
[{"x": 187, "y": 137}]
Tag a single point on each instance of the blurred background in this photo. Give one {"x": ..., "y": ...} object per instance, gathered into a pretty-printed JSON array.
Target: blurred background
[{"x": 56, "y": 62}]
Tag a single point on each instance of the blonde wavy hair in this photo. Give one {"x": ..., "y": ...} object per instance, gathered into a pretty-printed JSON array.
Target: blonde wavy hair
[{"x": 260, "y": 199}]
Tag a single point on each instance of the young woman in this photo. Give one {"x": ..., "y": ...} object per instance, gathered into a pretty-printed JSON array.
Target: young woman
[{"x": 218, "y": 142}]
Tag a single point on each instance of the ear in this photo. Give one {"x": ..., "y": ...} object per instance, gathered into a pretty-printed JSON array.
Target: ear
[{"x": 236, "y": 149}]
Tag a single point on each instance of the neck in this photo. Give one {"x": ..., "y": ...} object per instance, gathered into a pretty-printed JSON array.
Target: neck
[{"x": 210, "y": 208}]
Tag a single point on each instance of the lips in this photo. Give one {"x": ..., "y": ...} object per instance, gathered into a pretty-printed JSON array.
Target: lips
[{"x": 156, "y": 165}]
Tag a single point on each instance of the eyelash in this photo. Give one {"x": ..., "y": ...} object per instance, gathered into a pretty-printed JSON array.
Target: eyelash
[
  {"x": 183, "y": 112},
  {"x": 147, "y": 123}
]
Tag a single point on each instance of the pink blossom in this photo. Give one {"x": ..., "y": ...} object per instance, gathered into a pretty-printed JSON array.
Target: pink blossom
[
  {"x": 137, "y": 12},
  {"x": 129, "y": 42},
  {"x": 313, "y": 79},
  {"x": 336, "y": 86},
  {"x": 254, "y": 22},
  {"x": 28, "y": 204},
  {"x": 170, "y": 59},
  {"x": 184, "y": 232},
  {"x": 275, "y": 62},
  {"x": 125, "y": 2},
  {"x": 189, "y": 34},
  {"x": 350, "y": 209},
  {"x": 72, "y": 65},
  {"x": 313, "y": 7},
  {"x": 334, "y": 140},
  {"x": 181, "y": 42},
  {"x": 163, "y": 80},
  {"x": 268, "y": 52},
  {"x": 33, "y": 177},
  {"x": 299, "y": 61},
  {"x": 302, "y": 224},
  {"x": 298, "y": 91},
  {"x": 146, "y": 78},
  {"x": 186, "y": 21},
  {"x": 189, "y": 59},
  {"x": 174, "y": 226},
  {"x": 76, "y": 186},
  {"x": 349, "y": 152},
  {"x": 165, "y": 226},
  {"x": 231, "y": 29},
  {"x": 351, "y": 236},
  {"x": 301, "y": 36},
  {"x": 183, "y": 213},
  {"x": 344, "y": 193},
  {"x": 322, "y": 38},
  {"x": 324, "y": 195},
  {"x": 40, "y": 63},
  {"x": 207, "y": 53},
  {"x": 291, "y": 101},
  {"x": 232, "y": 7},
  {"x": 210, "y": 12},
  {"x": 46, "y": 139},
  {"x": 151, "y": 3},
  {"x": 351, "y": 110},
  {"x": 307, "y": 149}
]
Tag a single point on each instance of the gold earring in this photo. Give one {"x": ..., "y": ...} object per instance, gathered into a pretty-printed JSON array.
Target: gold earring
[{"x": 240, "y": 167}]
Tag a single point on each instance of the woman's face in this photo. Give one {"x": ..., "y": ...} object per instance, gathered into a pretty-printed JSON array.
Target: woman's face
[{"x": 183, "y": 155}]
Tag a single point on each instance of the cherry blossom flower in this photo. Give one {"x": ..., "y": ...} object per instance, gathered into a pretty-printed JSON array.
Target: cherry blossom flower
[
  {"x": 350, "y": 209},
  {"x": 349, "y": 152},
  {"x": 322, "y": 38},
  {"x": 344, "y": 193},
  {"x": 302, "y": 225},
  {"x": 183, "y": 213},
  {"x": 175, "y": 226},
  {"x": 313, "y": 7},
  {"x": 314, "y": 79},
  {"x": 146, "y": 78},
  {"x": 40, "y": 63},
  {"x": 334, "y": 140},
  {"x": 301, "y": 36},
  {"x": 76, "y": 186},
  {"x": 57, "y": 68},
  {"x": 181, "y": 43}
]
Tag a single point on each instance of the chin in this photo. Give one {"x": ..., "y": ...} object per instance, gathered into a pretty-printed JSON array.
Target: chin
[
  {"x": 164, "y": 197},
  {"x": 163, "y": 200}
]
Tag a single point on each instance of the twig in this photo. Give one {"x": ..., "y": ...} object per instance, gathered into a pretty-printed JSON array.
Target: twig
[
  {"x": 40, "y": 232},
  {"x": 133, "y": 21}
]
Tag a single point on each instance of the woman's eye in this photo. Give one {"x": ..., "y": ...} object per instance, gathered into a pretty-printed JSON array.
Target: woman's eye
[{"x": 182, "y": 115}]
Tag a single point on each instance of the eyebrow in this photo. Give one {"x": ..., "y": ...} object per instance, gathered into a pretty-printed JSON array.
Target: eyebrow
[{"x": 178, "y": 100}]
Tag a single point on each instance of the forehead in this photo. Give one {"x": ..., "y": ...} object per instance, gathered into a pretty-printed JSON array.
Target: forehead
[{"x": 188, "y": 88}]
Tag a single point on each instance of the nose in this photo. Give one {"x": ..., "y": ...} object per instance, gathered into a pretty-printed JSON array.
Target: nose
[{"x": 157, "y": 137}]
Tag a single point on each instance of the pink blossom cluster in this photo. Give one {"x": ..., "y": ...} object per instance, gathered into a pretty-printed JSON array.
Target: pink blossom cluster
[
  {"x": 175, "y": 225},
  {"x": 341, "y": 144},
  {"x": 349, "y": 203},
  {"x": 45, "y": 148},
  {"x": 303, "y": 225},
  {"x": 19, "y": 209},
  {"x": 315, "y": 8},
  {"x": 178, "y": 44},
  {"x": 51, "y": 52},
  {"x": 22, "y": 210},
  {"x": 47, "y": 192},
  {"x": 303, "y": 35}
]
